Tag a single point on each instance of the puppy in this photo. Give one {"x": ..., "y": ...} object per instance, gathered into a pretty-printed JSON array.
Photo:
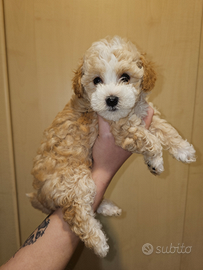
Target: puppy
[{"x": 113, "y": 80}]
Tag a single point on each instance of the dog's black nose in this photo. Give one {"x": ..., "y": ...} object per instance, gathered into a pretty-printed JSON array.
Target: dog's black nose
[{"x": 112, "y": 101}]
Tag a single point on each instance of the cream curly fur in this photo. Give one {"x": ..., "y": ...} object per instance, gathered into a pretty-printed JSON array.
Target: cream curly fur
[{"x": 112, "y": 80}]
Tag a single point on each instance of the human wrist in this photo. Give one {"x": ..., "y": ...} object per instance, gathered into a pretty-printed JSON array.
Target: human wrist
[
  {"x": 104, "y": 174},
  {"x": 102, "y": 179}
]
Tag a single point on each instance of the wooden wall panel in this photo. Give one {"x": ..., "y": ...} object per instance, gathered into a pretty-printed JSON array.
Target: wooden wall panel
[
  {"x": 45, "y": 40},
  {"x": 9, "y": 229},
  {"x": 25, "y": 99},
  {"x": 193, "y": 224}
]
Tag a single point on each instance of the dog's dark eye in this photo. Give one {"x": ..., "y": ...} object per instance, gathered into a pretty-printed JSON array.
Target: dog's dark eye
[
  {"x": 125, "y": 77},
  {"x": 97, "y": 80}
]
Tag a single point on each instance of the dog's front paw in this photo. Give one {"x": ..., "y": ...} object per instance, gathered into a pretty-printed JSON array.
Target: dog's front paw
[
  {"x": 155, "y": 165},
  {"x": 186, "y": 153}
]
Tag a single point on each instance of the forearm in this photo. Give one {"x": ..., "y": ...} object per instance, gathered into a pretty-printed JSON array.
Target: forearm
[
  {"x": 52, "y": 250},
  {"x": 57, "y": 243},
  {"x": 102, "y": 180}
]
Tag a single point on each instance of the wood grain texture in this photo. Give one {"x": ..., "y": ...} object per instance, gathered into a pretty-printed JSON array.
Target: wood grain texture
[
  {"x": 45, "y": 40},
  {"x": 9, "y": 229},
  {"x": 193, "y": 223}
]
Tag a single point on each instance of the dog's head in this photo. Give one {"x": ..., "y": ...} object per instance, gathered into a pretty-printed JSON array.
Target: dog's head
[{"x": 112, "y": 76}]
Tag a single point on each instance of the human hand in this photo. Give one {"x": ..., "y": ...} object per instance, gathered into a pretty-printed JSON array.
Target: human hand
[
  {"x": 148, "y": 118},
  {"x": 108, "y": 157}
]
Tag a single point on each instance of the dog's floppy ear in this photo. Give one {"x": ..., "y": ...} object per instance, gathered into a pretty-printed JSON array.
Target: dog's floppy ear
[
  {"x": 149, "y": 77},
  {"x": 77, "y": 85}
]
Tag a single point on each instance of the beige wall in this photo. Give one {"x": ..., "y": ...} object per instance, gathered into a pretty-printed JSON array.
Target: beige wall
[
  {"x": 9, "y": 223},
  {"x": 41, "y": 43}
]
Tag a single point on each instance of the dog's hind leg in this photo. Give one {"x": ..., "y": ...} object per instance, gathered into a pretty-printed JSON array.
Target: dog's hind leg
[
  {"x": 108, "y": 208},
  {"x": 77, "y": 209},
  {"x": 37, "y": 204},
  {"x": 80, "y": 217},
  {"x": 168, "y": 136}
]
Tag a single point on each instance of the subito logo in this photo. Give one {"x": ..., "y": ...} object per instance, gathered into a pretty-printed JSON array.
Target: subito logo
[{"x": 147, "y": 249}]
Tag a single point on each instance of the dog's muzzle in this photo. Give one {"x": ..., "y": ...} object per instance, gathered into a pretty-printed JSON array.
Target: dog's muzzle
[{"x": 111, "y": 102}]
